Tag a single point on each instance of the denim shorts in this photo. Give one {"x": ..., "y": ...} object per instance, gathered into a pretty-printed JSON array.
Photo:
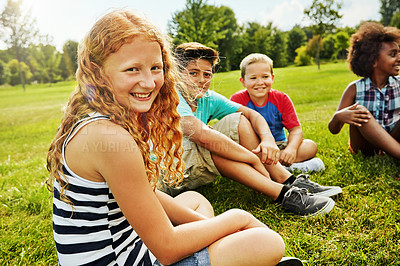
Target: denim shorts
[{"x": 199, "y": 258}]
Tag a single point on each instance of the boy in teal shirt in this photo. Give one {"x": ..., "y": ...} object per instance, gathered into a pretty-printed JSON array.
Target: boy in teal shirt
[{"x": 240, "y": 146}]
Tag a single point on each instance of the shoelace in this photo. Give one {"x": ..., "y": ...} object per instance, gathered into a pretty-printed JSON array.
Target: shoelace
[
  {"x": 299, "y": 192},
  {"x": 307, "y": 180}
]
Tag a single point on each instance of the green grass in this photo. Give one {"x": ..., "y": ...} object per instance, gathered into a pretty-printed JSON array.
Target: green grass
[{"x": 362, "y": 229}]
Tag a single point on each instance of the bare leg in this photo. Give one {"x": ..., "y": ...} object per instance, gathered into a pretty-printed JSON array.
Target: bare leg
[
  {"x": 307, "y": 150},
  {"x": 196, "y": 202},
  {"x": 395, "y": 133},
  {"x": 248, "y": 176},
  {"x": 255, "y": 246},
  {"x": 371, "y": 137},
  {"x": 250, "y": 141}
]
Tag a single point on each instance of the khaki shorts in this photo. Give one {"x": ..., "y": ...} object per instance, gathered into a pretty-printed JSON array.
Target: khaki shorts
[{"x": 200, "y": 168}]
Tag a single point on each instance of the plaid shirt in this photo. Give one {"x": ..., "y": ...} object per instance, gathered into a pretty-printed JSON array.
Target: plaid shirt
[{"x": 384, "y": 104}]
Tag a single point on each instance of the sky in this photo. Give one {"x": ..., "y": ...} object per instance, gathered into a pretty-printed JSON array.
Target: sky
[{"x": 65, "y": 20}]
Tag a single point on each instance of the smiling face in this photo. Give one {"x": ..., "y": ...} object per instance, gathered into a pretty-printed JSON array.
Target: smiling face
[
  {"x": 136, "y": 73},
  {"x": 197, "y": 77},
  {"x": 388, "y": 62},
  {"x": 258, "y": 81}
]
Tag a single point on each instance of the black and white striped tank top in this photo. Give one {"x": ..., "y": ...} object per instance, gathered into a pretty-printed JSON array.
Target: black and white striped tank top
[{"x": 93, "y": 231}]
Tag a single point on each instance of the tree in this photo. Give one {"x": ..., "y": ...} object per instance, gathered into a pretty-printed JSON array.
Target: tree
[
  {"x": 70, "y": 57},
  {"x": 18, "y": 69},
  {"x": 44, "y": 61},
  {"x": 313, "y": 45},
  {"x": 395, "y": 22},
  {"x": 198, "y": 22},
  {"x": 388, "y": 9},
  {"x": 341, "y": 44},
  {"x": 4, "y": 73},
  {"x": 302, "y": 58},
  {"x": 328, "y": 50},
  {"x": 257, "y": 38},
  {"x": 323, "y": 15},
  {"x": 18, "y": 31},
  {"x": 296, "y": 38},
  {"x": 228, "y": 44},
  {"x": 278, "y": 48}
]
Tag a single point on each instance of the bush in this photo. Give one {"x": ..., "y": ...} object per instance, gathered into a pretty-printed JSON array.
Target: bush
[{"x": 302, "y": 58}]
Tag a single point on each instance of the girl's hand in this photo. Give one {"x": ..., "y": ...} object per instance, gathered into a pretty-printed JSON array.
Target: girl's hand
[{"x": 355, "y": 115}]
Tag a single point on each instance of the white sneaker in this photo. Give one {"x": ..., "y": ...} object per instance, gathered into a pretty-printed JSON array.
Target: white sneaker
[{"x": 313, "y": 165}]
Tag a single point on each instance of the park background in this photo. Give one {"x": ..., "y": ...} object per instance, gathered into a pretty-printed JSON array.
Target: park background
[{"x": 36, "y": 78}]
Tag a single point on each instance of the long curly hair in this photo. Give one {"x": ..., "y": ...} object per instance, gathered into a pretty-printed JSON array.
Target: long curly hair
[
  {"x": 94, "y": 93},
  {"x": 365, "y": 46}
]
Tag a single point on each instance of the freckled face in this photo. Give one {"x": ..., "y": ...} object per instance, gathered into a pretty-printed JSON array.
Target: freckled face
[
  {"x": 197, "y": 77},
  {"x": 136, "y": 73},
  {"x": 389, "y": 60},
  {"x": 258, "y": 80}
]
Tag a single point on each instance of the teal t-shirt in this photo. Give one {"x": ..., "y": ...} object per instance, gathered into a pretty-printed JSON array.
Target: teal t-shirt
[{"x": 211, "y": 106}]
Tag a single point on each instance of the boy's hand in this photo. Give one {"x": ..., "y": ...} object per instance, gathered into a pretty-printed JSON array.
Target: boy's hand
[
  {"x": 269, "y": 152},
  {"x": 288, "y": 156},
  {"x": 355, "y": 115}
]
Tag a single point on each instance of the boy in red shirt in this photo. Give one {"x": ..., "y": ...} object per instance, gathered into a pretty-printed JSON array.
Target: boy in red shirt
[{"x": 278, "y": 110}]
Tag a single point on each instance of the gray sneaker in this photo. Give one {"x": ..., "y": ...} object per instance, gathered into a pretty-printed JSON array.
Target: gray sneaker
[
  {"x": 298, "y": 201},
  {"x": 290, "y": 261},
  {"x": 303, "y": 181}
]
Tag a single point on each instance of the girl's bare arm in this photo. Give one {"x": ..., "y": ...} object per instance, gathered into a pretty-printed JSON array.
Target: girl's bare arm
[{"x": 124, "y": 171}]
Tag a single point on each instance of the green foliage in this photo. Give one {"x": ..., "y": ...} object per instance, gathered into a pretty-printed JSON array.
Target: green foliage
[
  {"x": 302, "y": 58},
  {"x": 4, "y": 73},
  {"x": 362, "y": 229},
  {"x": 267, "y": 40},
  {"x": 313, "y": 45},
  {"x": 70, "y": 58},
  {"x": 341, "y": 44},
  {"x": 198, "y": 22},
  {"x": 323, "y": 15},
  {"x": 388, "y": 9},
  {"x": 15, "y": 68},
  {"x": 44, "y": 61},
  {"x": 296, "y": 38},
  {"x": 227, "y": 45},
  {"x": 212, "y": 25},
  {"x": 328, "y": 46},
  {"x": 19, "y": 30},
  {"x": 217, "y": 27},
  {"x": 395, "y": 21}
]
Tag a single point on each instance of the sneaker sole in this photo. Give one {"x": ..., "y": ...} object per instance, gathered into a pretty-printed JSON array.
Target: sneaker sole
[
  {"x": 329, "y": 193},
  {"x": 326, "y": 209},
  {"x": 289, "y": 261}
]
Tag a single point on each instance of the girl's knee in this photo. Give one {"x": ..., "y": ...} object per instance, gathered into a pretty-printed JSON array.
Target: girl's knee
[
  {"x": 272, "y": 243},
  {"x": 196, "y": 202}
]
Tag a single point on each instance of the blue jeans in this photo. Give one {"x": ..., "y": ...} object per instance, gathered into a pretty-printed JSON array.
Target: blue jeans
[{"x": 199, "y": 258}]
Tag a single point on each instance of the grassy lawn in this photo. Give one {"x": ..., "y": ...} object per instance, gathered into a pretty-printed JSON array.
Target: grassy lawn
[{"x": 362, "y": 229}]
